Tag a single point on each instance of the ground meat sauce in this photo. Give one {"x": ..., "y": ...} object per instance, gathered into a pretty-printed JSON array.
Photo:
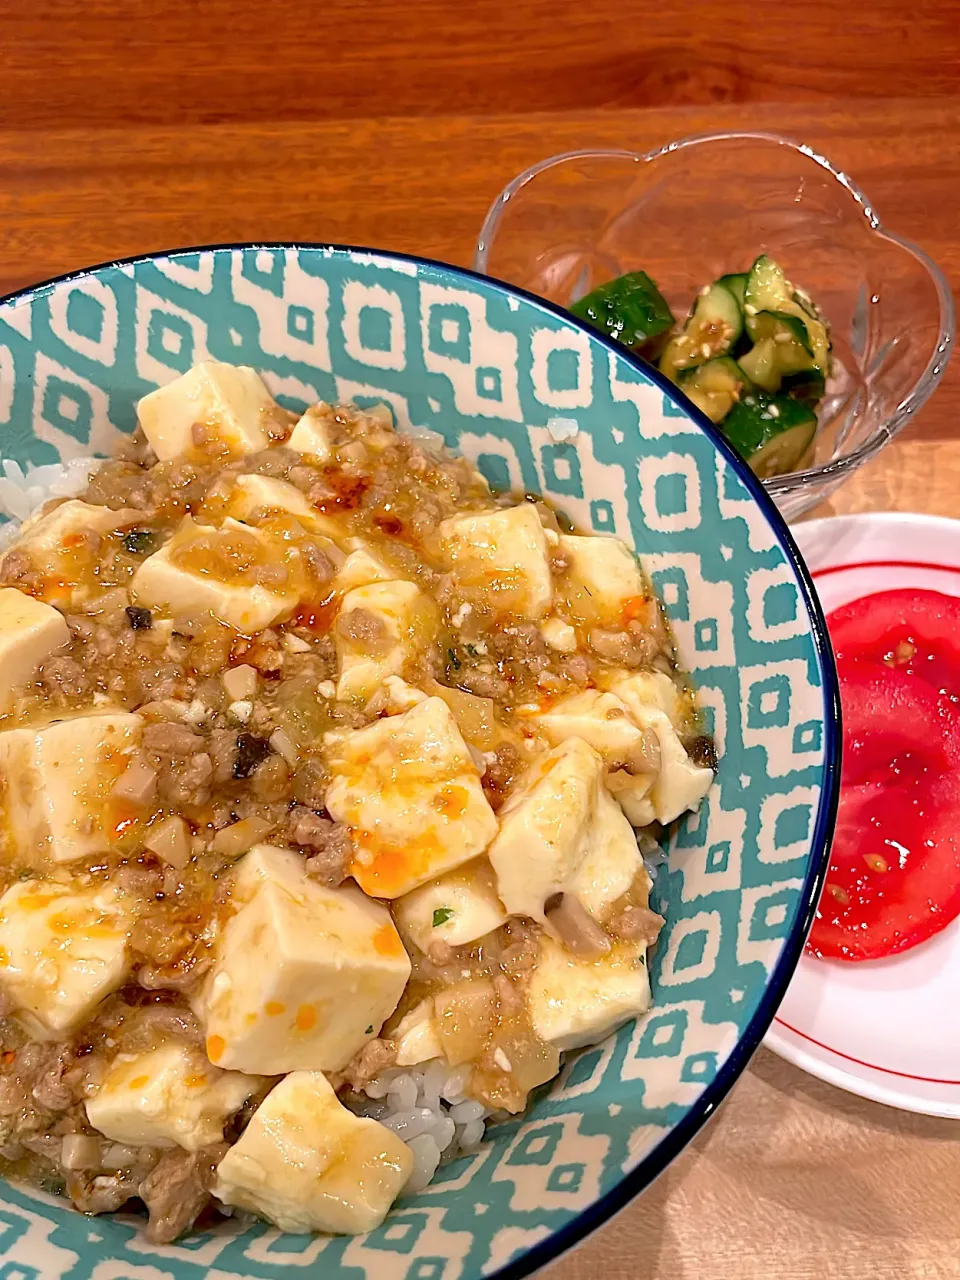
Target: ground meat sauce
[{"x": 239, "y": 762}]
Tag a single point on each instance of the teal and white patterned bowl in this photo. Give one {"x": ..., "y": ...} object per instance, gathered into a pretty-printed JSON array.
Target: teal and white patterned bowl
[{"x": 488, "y": 367}]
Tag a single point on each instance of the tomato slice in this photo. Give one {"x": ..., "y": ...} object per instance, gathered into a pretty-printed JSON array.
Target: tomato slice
[
  {"x": 894, "y": 874},
  {"x": 916, "y": 631},
  {"x": 889, "y": 714},
  {"x": 910, "y": 832}
]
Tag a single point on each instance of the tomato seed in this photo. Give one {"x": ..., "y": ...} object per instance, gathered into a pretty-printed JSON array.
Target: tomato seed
[
  {"x": 841, "y": 895},
  {"x": 875, "y": 862}
]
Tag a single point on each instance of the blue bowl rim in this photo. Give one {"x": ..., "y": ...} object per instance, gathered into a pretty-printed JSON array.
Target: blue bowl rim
[{"x": 674, "y": 1141}]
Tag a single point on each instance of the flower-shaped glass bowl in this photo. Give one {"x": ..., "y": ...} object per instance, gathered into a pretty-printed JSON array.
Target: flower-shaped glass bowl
[{"x": 707, "y": 205}]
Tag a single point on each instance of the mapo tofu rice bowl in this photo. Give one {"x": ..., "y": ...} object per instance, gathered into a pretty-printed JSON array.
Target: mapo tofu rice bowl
[
  {"x": 338, "y": 771},
  {"x": 334, "y": 782}
]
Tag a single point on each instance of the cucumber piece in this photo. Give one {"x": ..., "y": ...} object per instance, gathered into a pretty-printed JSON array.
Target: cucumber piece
[
  {"x": 807, "y": 304},
  {"x": 736, "y": 282},
  {"x": 780, "y": 348},
  {"x": 817, "y": 329},
  {"x": 784, "y": 328},
  {"x": 807, "y": 387},
  {"x": 783, "y": 452},
  {"x": 760, "y": 365},
  {"x": 769, "y": 290},
  {"x": 714, "y": 325},
  {"x": 630, "y": 309},
  {"x": 771, "y": 432},
  {"x": 714, "y": 387}
]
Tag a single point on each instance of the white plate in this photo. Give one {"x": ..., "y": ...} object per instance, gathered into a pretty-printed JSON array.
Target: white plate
[{"x": 886, "y": 1029}]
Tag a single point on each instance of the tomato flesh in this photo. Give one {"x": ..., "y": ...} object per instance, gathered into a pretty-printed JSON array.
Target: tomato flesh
[
  {"x": 913, "y": 630},
  {"x": 889, "y": 715},
  {"x": 894, "y": 877},
  {"x": 894, "y": 874}
]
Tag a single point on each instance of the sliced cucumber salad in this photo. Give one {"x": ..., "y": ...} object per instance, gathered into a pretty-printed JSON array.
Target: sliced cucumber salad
[
  {"x": 771, "y": 432},
  {"x": 753, "y": 355},
  {"x": 712, "y": 329},
  {"x": 631, "y": 309}
]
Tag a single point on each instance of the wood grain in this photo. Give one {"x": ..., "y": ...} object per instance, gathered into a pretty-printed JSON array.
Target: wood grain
[
  {"x": 72, "y": 197},
  {"x": 909, "y": 475},
  {"x": 106, "y": 62},
  {"x": 796, "y": 1180},
  {"x": 792, "y": 1179}
]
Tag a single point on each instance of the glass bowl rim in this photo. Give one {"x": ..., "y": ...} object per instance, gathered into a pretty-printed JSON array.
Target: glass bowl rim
[{"x": 840, "y": 466}]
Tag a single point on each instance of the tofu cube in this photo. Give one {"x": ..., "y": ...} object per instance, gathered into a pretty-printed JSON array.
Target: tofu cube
[
  {"x": 169, "y": 1096},
  {"x": 561, "y": 832},
  {"x": 375, "y": 426},
  {"x": 455, "y": 909},
  {"x": 228, "y": 404},
  {"x": 313, "y": 435},
  {"x": 29, "y": 632},
  {"x": 559, "y": 635},
  {"x": 503, "y": 556},
  {"x": 266, "y": 500},
  {"x": 655, "y": 705},
  {"x": 323, "y": 427},
  {"x": 303, "y": 975},
  {"x": 55, "y": 528},
  {"x": 245, "y": 577},
  {"x": 603, "y": 583},
  {"x": 652, "y": 690},
  {"x": 573, "y": 1001},
  {"x": 62, "y": 951},
  {"x": 611, "y": 862},
  {"x": 401, "y": 696},
  {"x": 633, "y": 791},
  {"x": 361, "y": 567},
  {"x": 598, "y": 718},
  {"x": 416, "y": 1036},
  {"x": 306, "y": 1163},
  {"x": 57, "y": 800},
  {"x": 379, "y": 629},
  {"x": 64, "y": 547},
  {"x": 409, "y": 790}
]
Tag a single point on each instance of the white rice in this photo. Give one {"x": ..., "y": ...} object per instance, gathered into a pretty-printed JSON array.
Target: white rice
[
  {"x": 21, "y": 493},
  {"x": 427, "y": 1107}
]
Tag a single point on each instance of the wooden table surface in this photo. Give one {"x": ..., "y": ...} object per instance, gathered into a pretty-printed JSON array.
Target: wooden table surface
[{"x": 792, "y": 1178}]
